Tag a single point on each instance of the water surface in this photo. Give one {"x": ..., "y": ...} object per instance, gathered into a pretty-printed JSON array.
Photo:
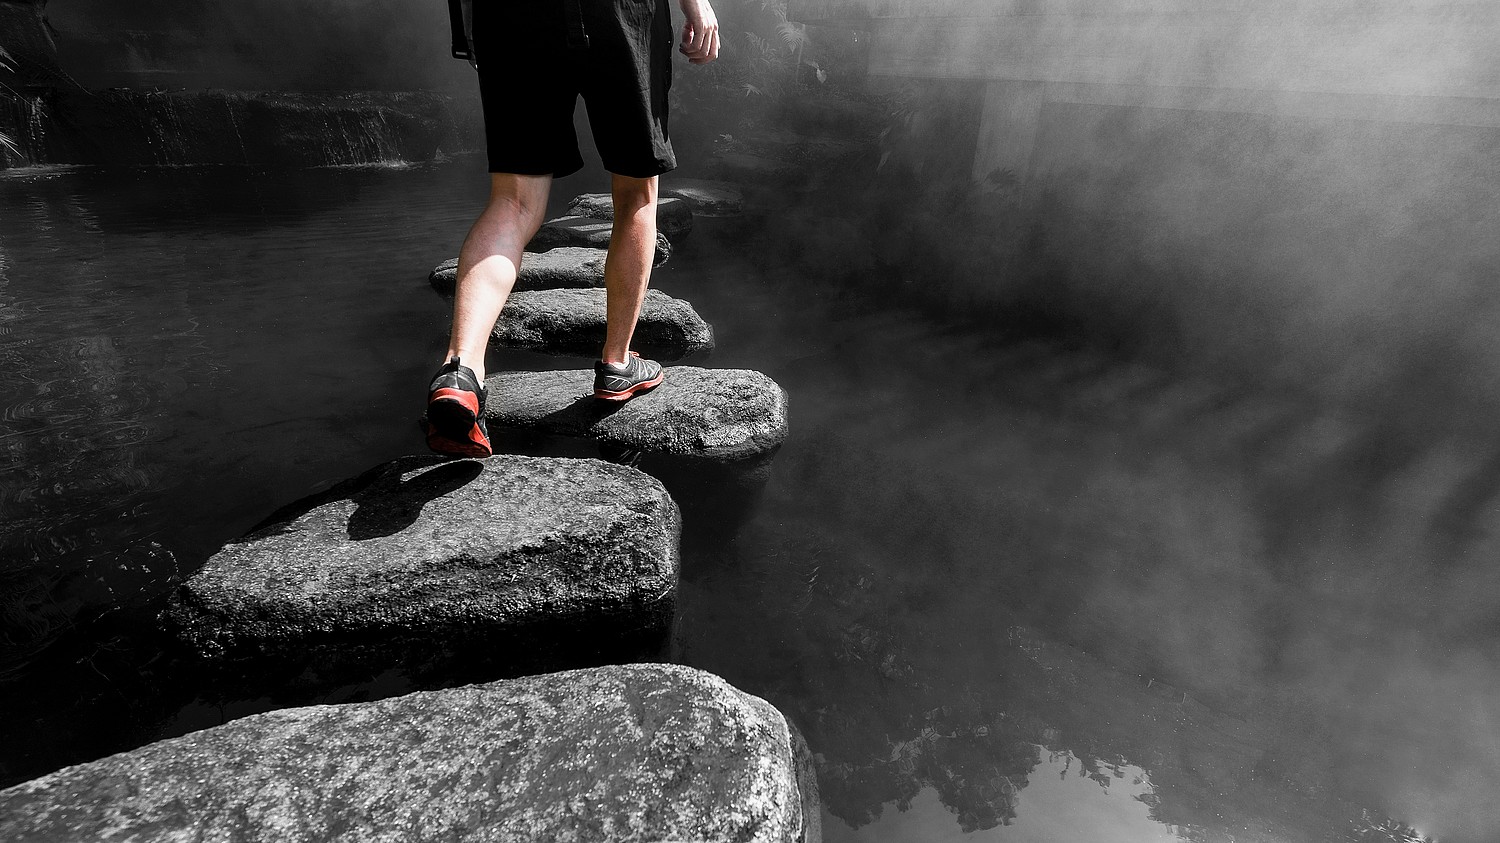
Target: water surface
[{"x": 1009, "y": 587}]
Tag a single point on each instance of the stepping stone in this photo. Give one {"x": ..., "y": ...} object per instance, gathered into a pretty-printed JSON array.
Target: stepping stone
[
  {"x": 627, "y": 754},
  {"x": 674, "y": 217},
  {"x": 585, "y": 231},
  {"x": 573, "y": 322},
  {"x": 570, "y": 267},
  {"x": 702, "y": 415},
  {"x": 709, "y": 198},
  {"x": 521, "y": 554}
]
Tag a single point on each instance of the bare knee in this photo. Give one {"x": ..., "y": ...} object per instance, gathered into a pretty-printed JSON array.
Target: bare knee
[
  {"x": 632, "y": 195},
  {"x": 518, "y": 200}
]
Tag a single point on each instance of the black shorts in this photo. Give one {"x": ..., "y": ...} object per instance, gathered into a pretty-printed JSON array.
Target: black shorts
[{"x": 536, "y": 57}]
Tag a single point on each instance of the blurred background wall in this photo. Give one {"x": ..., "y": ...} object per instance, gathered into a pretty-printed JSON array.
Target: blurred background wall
[
  {"x": 1300, "y": 192},
  {"x": 257, "y": 44}
]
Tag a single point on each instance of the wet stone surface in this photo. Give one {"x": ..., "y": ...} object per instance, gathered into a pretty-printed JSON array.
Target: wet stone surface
[
  {"x": 587, "y": 232},
  {"x": 674, "y": 217},
  {"x": 517, "y": 553},
  {"x": 709, "y": 198},
  {"x": 622, "y": 753},
  {"x": 574, "y": 321},
  {"x": 704, "y": 415},
  {"x": 570, "y": 267}
]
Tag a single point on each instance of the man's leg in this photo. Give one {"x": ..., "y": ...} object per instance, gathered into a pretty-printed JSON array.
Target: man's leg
[
  {"x": 487, "y": 267},
  {"x": 627, "y": 270},
  {"x": 632, "y": 244},
  {"x": 490, "y": 258}
]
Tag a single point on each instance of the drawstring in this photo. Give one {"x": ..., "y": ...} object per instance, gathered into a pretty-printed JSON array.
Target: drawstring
[{"x": 578, "y": 37}]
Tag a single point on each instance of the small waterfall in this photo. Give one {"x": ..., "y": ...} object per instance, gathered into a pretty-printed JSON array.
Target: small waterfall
[
  {"x": 23, "y": 131},
  {"x": 166, "y": 132},
  {"x": 170, "y": 129},
  {"x": 360, "y": 137}
]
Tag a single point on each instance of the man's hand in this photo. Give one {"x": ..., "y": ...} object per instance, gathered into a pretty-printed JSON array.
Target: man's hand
[{"x": 700, "y": 32}]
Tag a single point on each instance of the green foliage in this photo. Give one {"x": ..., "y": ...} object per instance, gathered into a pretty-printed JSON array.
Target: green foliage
[{"x": 764, "y": 55}]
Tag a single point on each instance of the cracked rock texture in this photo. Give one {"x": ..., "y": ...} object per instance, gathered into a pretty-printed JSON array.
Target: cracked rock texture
[
  {"x": 574, "y": 321},
  {"x": 674, "y": 217},
  {"x": 570, "y": 267},
  {"x": 717, "y": 415},
  {"x": 709, "y": 198},
  {"x": 588, "y": 232},
  {"x": 626, "y": 754},
  {"x": 502, "y": 550}
]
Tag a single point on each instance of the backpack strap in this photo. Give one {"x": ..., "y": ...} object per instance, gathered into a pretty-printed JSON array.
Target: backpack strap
[{"x": 460, "y": 22}]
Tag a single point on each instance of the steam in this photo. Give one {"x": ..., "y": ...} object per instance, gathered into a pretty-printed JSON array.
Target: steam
[
  {"x": 1298, "y": 198},
  {"x": 263, "y": 44}
]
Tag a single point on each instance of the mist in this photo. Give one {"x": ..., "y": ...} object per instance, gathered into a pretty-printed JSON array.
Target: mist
[
  {"x": 258, "y": 44},
  {"x": 1288, "y": 210},
  {"x": 1295, "y": 201}
]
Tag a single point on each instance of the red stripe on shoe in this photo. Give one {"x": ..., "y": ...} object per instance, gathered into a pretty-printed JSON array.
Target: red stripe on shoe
[{"x": 467, "y": 399}]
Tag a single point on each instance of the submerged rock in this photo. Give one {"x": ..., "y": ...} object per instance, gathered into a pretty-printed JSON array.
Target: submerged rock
[
  {"x": 524, "y": 555},
  {"x": 709, "y": 198},
  {"x": 711, "y": 415},
  {"x": 627, "y": 754},
  {"x": 569, "y": 267},
  {"x": 574, "y": 321},
  {"x": 588, "y": 232},
  {"x": 674, "y": 217}
]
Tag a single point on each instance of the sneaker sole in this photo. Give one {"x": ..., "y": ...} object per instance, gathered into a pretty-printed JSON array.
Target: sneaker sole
[
  {"x": 643, "y": 386},
  {"x": 454, "y": 447},
  {"x": 453, "y": 424},
  {"x": 453, "y": 411}
]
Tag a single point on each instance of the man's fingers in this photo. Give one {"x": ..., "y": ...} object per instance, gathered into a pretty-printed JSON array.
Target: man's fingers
[
  {"x": 692, "y": 39},
  {"x": 700, "y": 44},
  {"x": 710, "y": 51}
]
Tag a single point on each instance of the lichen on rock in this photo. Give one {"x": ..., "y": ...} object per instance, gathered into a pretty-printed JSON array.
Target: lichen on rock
[
  {"x": 587, "y": 232},
  {"x": 627, "y": 754},
  {"x": 574, "y": 322},
  {"x": 674, "y": 217},
  {"x": 568, "y": 267},
  {"x": 510, "y": 551},
  {"x": 707, "y": 415}
]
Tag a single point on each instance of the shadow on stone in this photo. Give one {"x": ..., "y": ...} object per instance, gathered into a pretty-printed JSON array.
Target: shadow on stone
[
  {"x": 441, "y": 571},
  {"x": 393, "y": 504}
]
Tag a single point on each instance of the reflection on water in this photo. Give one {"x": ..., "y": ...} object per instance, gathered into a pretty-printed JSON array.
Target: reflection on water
[
  {"x": 1065, "y": 802},
  {"x": 1209, "y": 604}
]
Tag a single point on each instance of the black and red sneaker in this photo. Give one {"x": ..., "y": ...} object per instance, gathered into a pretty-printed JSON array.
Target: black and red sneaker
[
  {"x": 454, "y": 423},
  {"x": 619, "y": 381}
]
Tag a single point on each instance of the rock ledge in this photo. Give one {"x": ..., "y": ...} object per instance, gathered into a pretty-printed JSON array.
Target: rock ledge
[
  {"x": 708, "y": 415},
  {"x": 510, "y": 551},
  {"x": 627, "y": 754},
  {"x": 574, "y": 322},
  {"x": 569, "y": 267}
]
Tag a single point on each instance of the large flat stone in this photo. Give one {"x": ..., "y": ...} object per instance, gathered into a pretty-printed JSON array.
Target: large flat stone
[
  {"x": 713, "y": 415},
  {"x": 570, "y": 267},
  {"x": 574, "y": 321},
  {"x": 587, "y": 232},
  {"x": 517, "y": 553},
  {"x": 709, "y": 198},
  {"x": 626, "y": 754},
  {"x": 674, "y": 217}
]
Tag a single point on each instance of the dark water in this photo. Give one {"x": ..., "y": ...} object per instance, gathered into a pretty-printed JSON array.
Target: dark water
[{"x": 1009, "y": 588}]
